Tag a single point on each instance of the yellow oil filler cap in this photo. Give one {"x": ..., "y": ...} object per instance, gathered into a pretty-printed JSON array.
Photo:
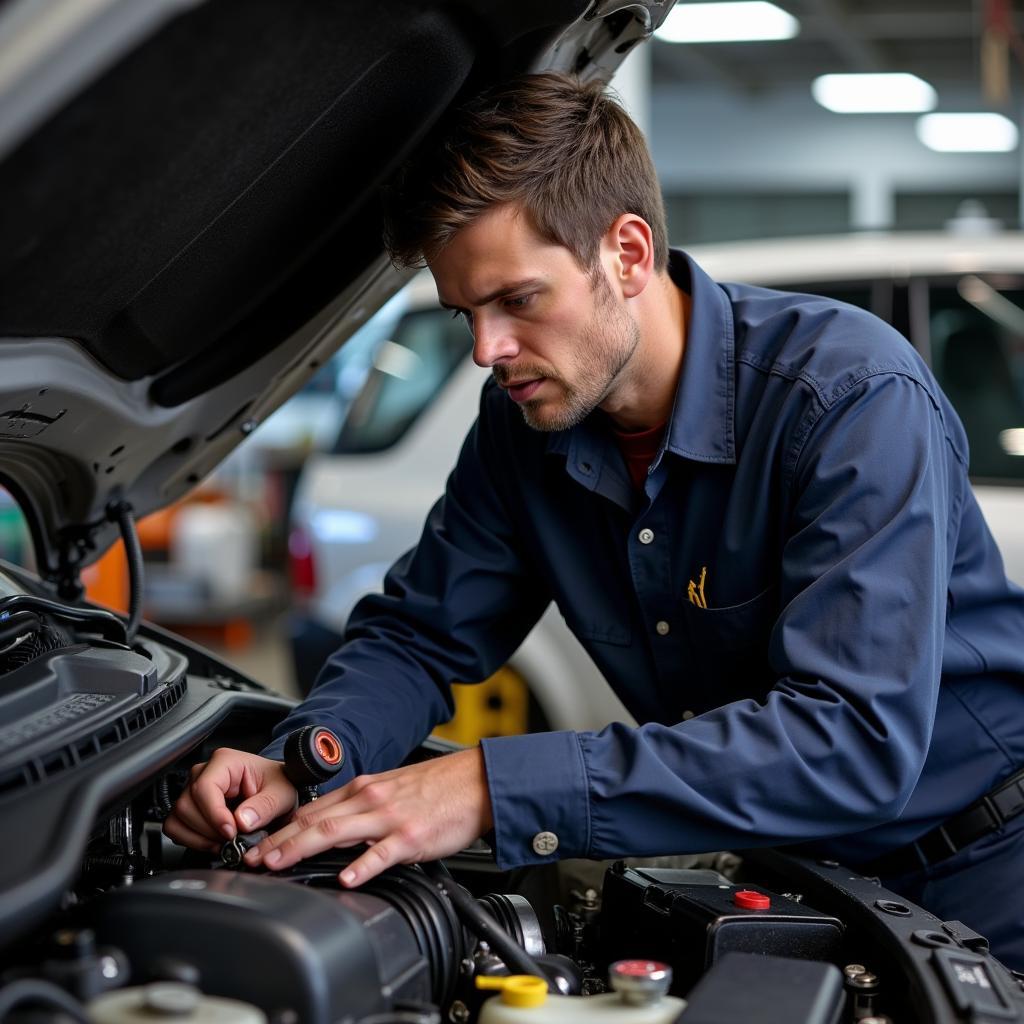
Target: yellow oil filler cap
[{"x": 518, "y": 989}]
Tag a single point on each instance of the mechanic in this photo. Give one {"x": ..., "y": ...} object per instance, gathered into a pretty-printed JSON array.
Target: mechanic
[{"x": 751, "y": 507}]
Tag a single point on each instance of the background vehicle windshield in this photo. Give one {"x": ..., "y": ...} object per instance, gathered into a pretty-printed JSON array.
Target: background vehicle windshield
[
  {"x": 976, "y": 330},
  {"x": 408, "y": 370}
]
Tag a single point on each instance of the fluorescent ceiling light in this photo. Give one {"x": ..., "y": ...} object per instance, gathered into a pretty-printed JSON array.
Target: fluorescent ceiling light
[
  {"x": 873, "y": 93},
  {"x": 746, "y": 21},
  {"x": 1012, "y": 440},
  {"x": 967, "y": 133}
]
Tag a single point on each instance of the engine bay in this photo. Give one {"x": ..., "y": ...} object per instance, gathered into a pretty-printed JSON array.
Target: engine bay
[{"x": 102, "y": 918}]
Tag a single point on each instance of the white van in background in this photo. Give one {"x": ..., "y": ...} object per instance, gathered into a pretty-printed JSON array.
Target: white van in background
[{"x": 959, "y": 300}]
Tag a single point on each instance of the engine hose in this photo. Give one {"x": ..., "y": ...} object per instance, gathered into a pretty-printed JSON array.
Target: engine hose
[
  {"x": 102, "y": 621},
  {"x": 431, "y": 918},
  {"x": 107, "y": 862},
  {"x": 121, "y": 512},
  {"x": 17, "y": 624},
  {"x": 163, "y": 791},
  {"x": 35, "y": 990},
  {"x": 483, "y": 925}
]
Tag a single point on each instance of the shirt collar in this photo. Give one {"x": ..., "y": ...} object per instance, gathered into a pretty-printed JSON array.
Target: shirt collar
[{"x": 701, "y": 424}]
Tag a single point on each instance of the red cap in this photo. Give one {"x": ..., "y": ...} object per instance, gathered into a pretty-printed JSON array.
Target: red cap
[
  {"x": 639, "y": 968},
  {"x": 747, "y": 899}
]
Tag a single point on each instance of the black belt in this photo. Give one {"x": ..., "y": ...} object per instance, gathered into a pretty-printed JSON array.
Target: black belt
[{"x": 986, "y": 815}]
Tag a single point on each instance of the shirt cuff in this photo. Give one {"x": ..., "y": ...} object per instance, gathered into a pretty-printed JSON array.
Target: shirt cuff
[{"x": 540, "y": 798}]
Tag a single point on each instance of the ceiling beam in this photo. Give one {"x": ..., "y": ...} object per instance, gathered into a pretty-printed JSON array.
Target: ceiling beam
[
  {"x": 896, "y": 24},
  {"x": 840, "y": 30},
  {"x": 686, "y": 60}
]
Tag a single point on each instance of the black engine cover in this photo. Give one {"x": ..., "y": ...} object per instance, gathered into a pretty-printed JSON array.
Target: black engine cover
[{"x": 324, "y": 954}]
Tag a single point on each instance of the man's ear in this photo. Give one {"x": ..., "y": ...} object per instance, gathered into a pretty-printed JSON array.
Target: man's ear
[{"x": 629, "y": 243}]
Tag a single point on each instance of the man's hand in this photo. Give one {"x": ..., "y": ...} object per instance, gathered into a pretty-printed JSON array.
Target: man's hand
[
  {"x": 201, "y": 817},
  {"x": 419, "y": 812}
]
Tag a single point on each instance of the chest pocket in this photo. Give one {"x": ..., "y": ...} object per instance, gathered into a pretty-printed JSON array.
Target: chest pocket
[{"x": 729, "y": 647}]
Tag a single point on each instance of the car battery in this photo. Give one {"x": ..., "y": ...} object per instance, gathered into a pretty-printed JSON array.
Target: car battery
[
  {"x": 769, "y": 990},
  {"x": 690, "y": 919}
]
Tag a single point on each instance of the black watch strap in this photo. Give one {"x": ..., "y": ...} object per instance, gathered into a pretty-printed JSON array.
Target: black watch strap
[{"x": 312, "y": 755}]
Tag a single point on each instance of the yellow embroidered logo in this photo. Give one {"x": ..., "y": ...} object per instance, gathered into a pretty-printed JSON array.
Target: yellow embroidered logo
[{"x": 695, "y": 591}]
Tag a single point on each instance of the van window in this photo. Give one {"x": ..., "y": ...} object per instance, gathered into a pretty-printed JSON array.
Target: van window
[
  {"x": 408, "y": 371},
  {"x": 976, "y": 324}
]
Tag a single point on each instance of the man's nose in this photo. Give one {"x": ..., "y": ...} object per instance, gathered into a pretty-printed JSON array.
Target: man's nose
[{"x": 493, "y": 340}]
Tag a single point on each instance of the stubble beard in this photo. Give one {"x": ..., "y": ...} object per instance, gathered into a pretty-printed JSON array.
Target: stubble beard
[{"x": 602, "y": 352}]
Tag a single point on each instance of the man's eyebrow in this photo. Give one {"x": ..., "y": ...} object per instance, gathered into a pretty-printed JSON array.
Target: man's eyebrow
[{"x": 498, "y": 293}]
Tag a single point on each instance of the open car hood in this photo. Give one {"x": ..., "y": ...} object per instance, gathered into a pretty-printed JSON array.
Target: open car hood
[{"x": 190, "y": 223}]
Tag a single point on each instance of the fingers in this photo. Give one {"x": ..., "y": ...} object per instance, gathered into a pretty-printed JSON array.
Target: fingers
[
  {"x": 328, "y": 833},
  {"x": 413, "y": 813},
  {"x": 379, "y": 857},
  {"x": 325, "y": 833},
  {"x": 201, "y": 816},
  {"x": 183, "y": 835},
  {"x": 268, "y": 797},
  {"x": 186, "y": 817},
  {"x": 186, "y": 825},
  {"x": 211, "y": 788},
  {"x": 233, "y": 772}
]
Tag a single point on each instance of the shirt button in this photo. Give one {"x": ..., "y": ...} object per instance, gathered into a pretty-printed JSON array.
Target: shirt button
[
  {"x": 545, "y": 843},
  {"x": 646, "y": 536},
  {"x": 687, "y": 715},
  {"x": 662, "y": 628}
]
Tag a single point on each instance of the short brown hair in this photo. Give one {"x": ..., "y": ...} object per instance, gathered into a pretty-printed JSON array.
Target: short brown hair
[{"x": 565, "y": 152}]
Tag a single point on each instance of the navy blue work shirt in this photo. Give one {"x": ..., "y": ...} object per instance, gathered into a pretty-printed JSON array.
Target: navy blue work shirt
[{"x": 804, "y": 609}]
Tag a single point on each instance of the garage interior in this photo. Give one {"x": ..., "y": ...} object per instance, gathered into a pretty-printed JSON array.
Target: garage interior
[
  {"x": 866, "y": 151},
  {"x": 744, "y": 152}
]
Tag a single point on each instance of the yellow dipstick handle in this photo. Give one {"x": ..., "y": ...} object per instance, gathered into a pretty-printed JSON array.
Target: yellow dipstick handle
[{"x": 518, "y": 989}]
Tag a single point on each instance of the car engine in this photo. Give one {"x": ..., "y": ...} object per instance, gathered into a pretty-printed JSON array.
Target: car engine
[{"x": 103, "y": 919}]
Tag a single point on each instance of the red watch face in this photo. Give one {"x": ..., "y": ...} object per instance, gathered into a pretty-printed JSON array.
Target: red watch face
[{"x": 327, "y": 746}]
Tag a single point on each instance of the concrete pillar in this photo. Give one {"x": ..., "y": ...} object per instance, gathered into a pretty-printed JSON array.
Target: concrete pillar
[
  {"x": 873, "y": 205},
  {"x": 632, "y": 83},
  {"x": 1020, "y": 169}
]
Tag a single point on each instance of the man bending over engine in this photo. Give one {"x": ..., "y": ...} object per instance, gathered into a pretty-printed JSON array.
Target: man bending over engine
[{"x": 751, "y": 507}]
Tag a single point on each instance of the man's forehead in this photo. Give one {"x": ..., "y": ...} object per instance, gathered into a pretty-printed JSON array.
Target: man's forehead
[{"x": 492, "y": 254}]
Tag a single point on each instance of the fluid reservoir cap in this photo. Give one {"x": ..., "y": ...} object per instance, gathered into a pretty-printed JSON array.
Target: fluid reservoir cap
[
  {"x": 170, "y": 1002},
  {"x": 640, "y": 981},
  {"x": 747, "y": 899},
  {"x": 517, "y": 989},
  {"x": 171, "y": 999}
]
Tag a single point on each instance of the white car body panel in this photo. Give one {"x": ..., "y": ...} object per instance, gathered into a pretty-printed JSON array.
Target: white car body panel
[
  {"x": 1003, "y": 508},
  {"x": 864, "y": 256},
  {"x": 384, "y": 497}
]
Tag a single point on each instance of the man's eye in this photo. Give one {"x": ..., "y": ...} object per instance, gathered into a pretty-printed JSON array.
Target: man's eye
[{"x": 518, "y": 301}]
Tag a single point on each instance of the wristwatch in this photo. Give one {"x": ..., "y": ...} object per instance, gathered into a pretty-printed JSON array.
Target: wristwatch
[{"x": 312, "y": 755}]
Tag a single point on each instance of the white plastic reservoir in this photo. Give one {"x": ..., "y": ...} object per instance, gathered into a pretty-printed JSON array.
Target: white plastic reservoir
[
  {"x": 524, "y": 999},
  {"x": 217, "y": 544}
]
